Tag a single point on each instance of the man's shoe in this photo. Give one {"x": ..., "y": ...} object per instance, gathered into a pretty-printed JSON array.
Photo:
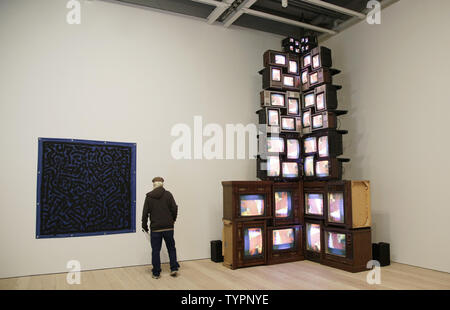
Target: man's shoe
[
  {"x": 174, "y": 273},
  {"x": 156, "y": 276}
]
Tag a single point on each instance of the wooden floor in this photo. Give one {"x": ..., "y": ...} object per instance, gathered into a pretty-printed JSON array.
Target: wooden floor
[{"x": 206, "y": 275}]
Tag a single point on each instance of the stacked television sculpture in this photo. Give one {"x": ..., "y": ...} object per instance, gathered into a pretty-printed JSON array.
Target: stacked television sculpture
[{"x": 301, "y": 208}]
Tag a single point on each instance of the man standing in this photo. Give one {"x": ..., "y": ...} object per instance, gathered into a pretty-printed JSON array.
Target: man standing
[{"x": 162, "y": 209}]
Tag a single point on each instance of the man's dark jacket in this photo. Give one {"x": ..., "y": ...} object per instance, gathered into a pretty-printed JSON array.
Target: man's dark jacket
[{"x": 162, "y": 209}]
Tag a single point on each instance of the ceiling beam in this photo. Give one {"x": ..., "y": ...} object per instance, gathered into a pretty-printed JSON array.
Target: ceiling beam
[
  {"x": 238, "y": 12},
  {"x": 218, "y": 11},
  {"x": 336, "y": 8},
  {"x": 287, "y": 21},
  {"x": 213, "y": 2}
]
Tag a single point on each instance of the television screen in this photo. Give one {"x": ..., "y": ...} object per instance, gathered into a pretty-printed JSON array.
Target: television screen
[
  {"x": 317, "y": 121},
  {"x": 309, "y": 166},
  {"x": 323, "y": 146},
  {"x": 314, "y": 78},
  {"x": 280, "y": 59},
  {"x": 253, "y": 242},
  {"x": 314, "y": 204},
  {"x": 290, "y": 170},
  {"x": 336, "y": 207},
  {"x": 293, "y": 106},
  {"x": 283, "y": 204},
  {"x": 310, "y": 145},
  {"x": 277, "y": 100},
  {"x": 306, "y": 119},
  {"x": 288, "y": 81},
  {"x": 275, "y": 145},
  {"x": 304, "y": 77},
  {"x": 293, "y": 66},
  {"x": 322, "y": 168},
  {"x": 320, "y": 102},
  {"x": 293, "y": 149},
  {"x": 313, "y": 237},
  {"x": 309, "y": 100},
  {"x": 288, "y": 123},
  {"x": 252, "y": 205},
  {"x": 274, "y": 118},
  {"x": 276, "y": 75},
  {"x": 283, "y": 239},
  {"x": 316, "y": 61},
  {"x": 273, "y": 166},
  {"x": 335, "y": 244},
  {"x": 307, "y": 61}
]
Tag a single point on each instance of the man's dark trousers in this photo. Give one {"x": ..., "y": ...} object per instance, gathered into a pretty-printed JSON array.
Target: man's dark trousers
[{"x": 156, "y": 242}]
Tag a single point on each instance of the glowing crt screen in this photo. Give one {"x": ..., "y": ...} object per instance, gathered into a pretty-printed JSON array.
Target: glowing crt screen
[
  {"x": 322, "y": 168},
  {"x": 253, "y": 242},
  {"x": 336, "y": 244},
  {"x": 309, "y": 166},
  {"x": 293, "y": 106},
  {"x": 277, "y": 100},
  {"x": 336, "y": 207},
  {"x": 276, "y": 75},
  {"x": 275, "y": 145},
  {"x": 310, "y": 145},
  {"x": 293, "y": 149},
  {"x": 280, "y": 59},
  {"x": 288, "y": 81},
  {"x": 314, "y": 204},
  {"x": 317, "y": 121},
  {"x": 309, "y": 100},
  {"x": 283, "y": 204},
  {"x": 293, "y": 66},
  {"x": 273, "y": 166},
  {"x": 252, "y": 205},
  {"x": 283, "y": 239},
  {"x": 320, "y": 102},
  {"x": 313, "y": 237},
  {"x": 288, "y": 123},
  {"x": 290, "y": 170},
  {"x": 274, "y": 119},
  {"x": 307, "y": 61},
  {"x": 306, "y": 119},
  {"x": 314, "y": 78},
  {"x": 323, "y": 146},
  {"x": 304, "y": 77},
  {"x": 316, "y": 61}
]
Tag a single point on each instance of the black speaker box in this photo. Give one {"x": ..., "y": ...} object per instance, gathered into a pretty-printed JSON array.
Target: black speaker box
[
  {"x": 381, "y": 252},
  {"x": 216, "y": 251}
]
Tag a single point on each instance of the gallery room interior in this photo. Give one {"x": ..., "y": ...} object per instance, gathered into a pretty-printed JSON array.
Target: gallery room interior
[{"x": 303, "y": 141}]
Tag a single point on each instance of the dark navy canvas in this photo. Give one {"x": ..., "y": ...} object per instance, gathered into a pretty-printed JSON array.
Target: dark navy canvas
[{"x": 85, "y": 188}]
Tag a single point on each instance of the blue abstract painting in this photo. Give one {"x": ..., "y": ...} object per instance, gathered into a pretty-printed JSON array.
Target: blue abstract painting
[{"x": 85, "y": 188}]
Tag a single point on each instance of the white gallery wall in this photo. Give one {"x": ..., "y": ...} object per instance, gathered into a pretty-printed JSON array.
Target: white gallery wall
[
  {"x": 396, "y": 82},
  {"x": 124, "y": 74}
]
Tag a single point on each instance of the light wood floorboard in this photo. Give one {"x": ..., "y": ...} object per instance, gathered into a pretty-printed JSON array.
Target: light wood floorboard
[{"x": 206, "y": 275}]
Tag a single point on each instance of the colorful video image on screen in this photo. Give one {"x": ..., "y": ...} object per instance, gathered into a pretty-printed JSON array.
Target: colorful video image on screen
[
  {"x": 280, "y": 59},
  {"x": 277, "y": 100},
  {"x": 288, "y": 123},
  {"x": 304, "y": 77},
  {"x": 313, "y": 237},
  {"x": 306, "y": 119},
  {"x": 314, "y": 204},
  {"x": 310, "y": 145},
  {"x": 316, "y": 62},
  {"x": 293, "y": 149},
  {"x": 274, "y": 117},
  {"x": 290, "y": 170},
  {"x": 293, "y": 106},
  {"x": 276, "y": 75},
  {"x": 293, "y": 66},
  {"x": 252, "y": 205},
  {"x": 253, "y": 242},
  {"x": 336, "y": 244},
  {"x": 275, "y": 144},
  {"x": 314, "y": 78},
  {"x": 336, "y": 207},
  {"x": 317, "y": 121},
  {"x": 309, "y": 166},
  {"x": 283, "y": 204},
  {"x": 307, "y": 61},
  {"x": 323, "y": 146},
  {"x": 283, "y": 239},
  {"x": 288, "y": 81},
  {"x": 323, "y": 168},
  {"x": 320, "y": 101},
  {"x": 273, "y": 166},
  {"x": 309, "y": 100}
]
